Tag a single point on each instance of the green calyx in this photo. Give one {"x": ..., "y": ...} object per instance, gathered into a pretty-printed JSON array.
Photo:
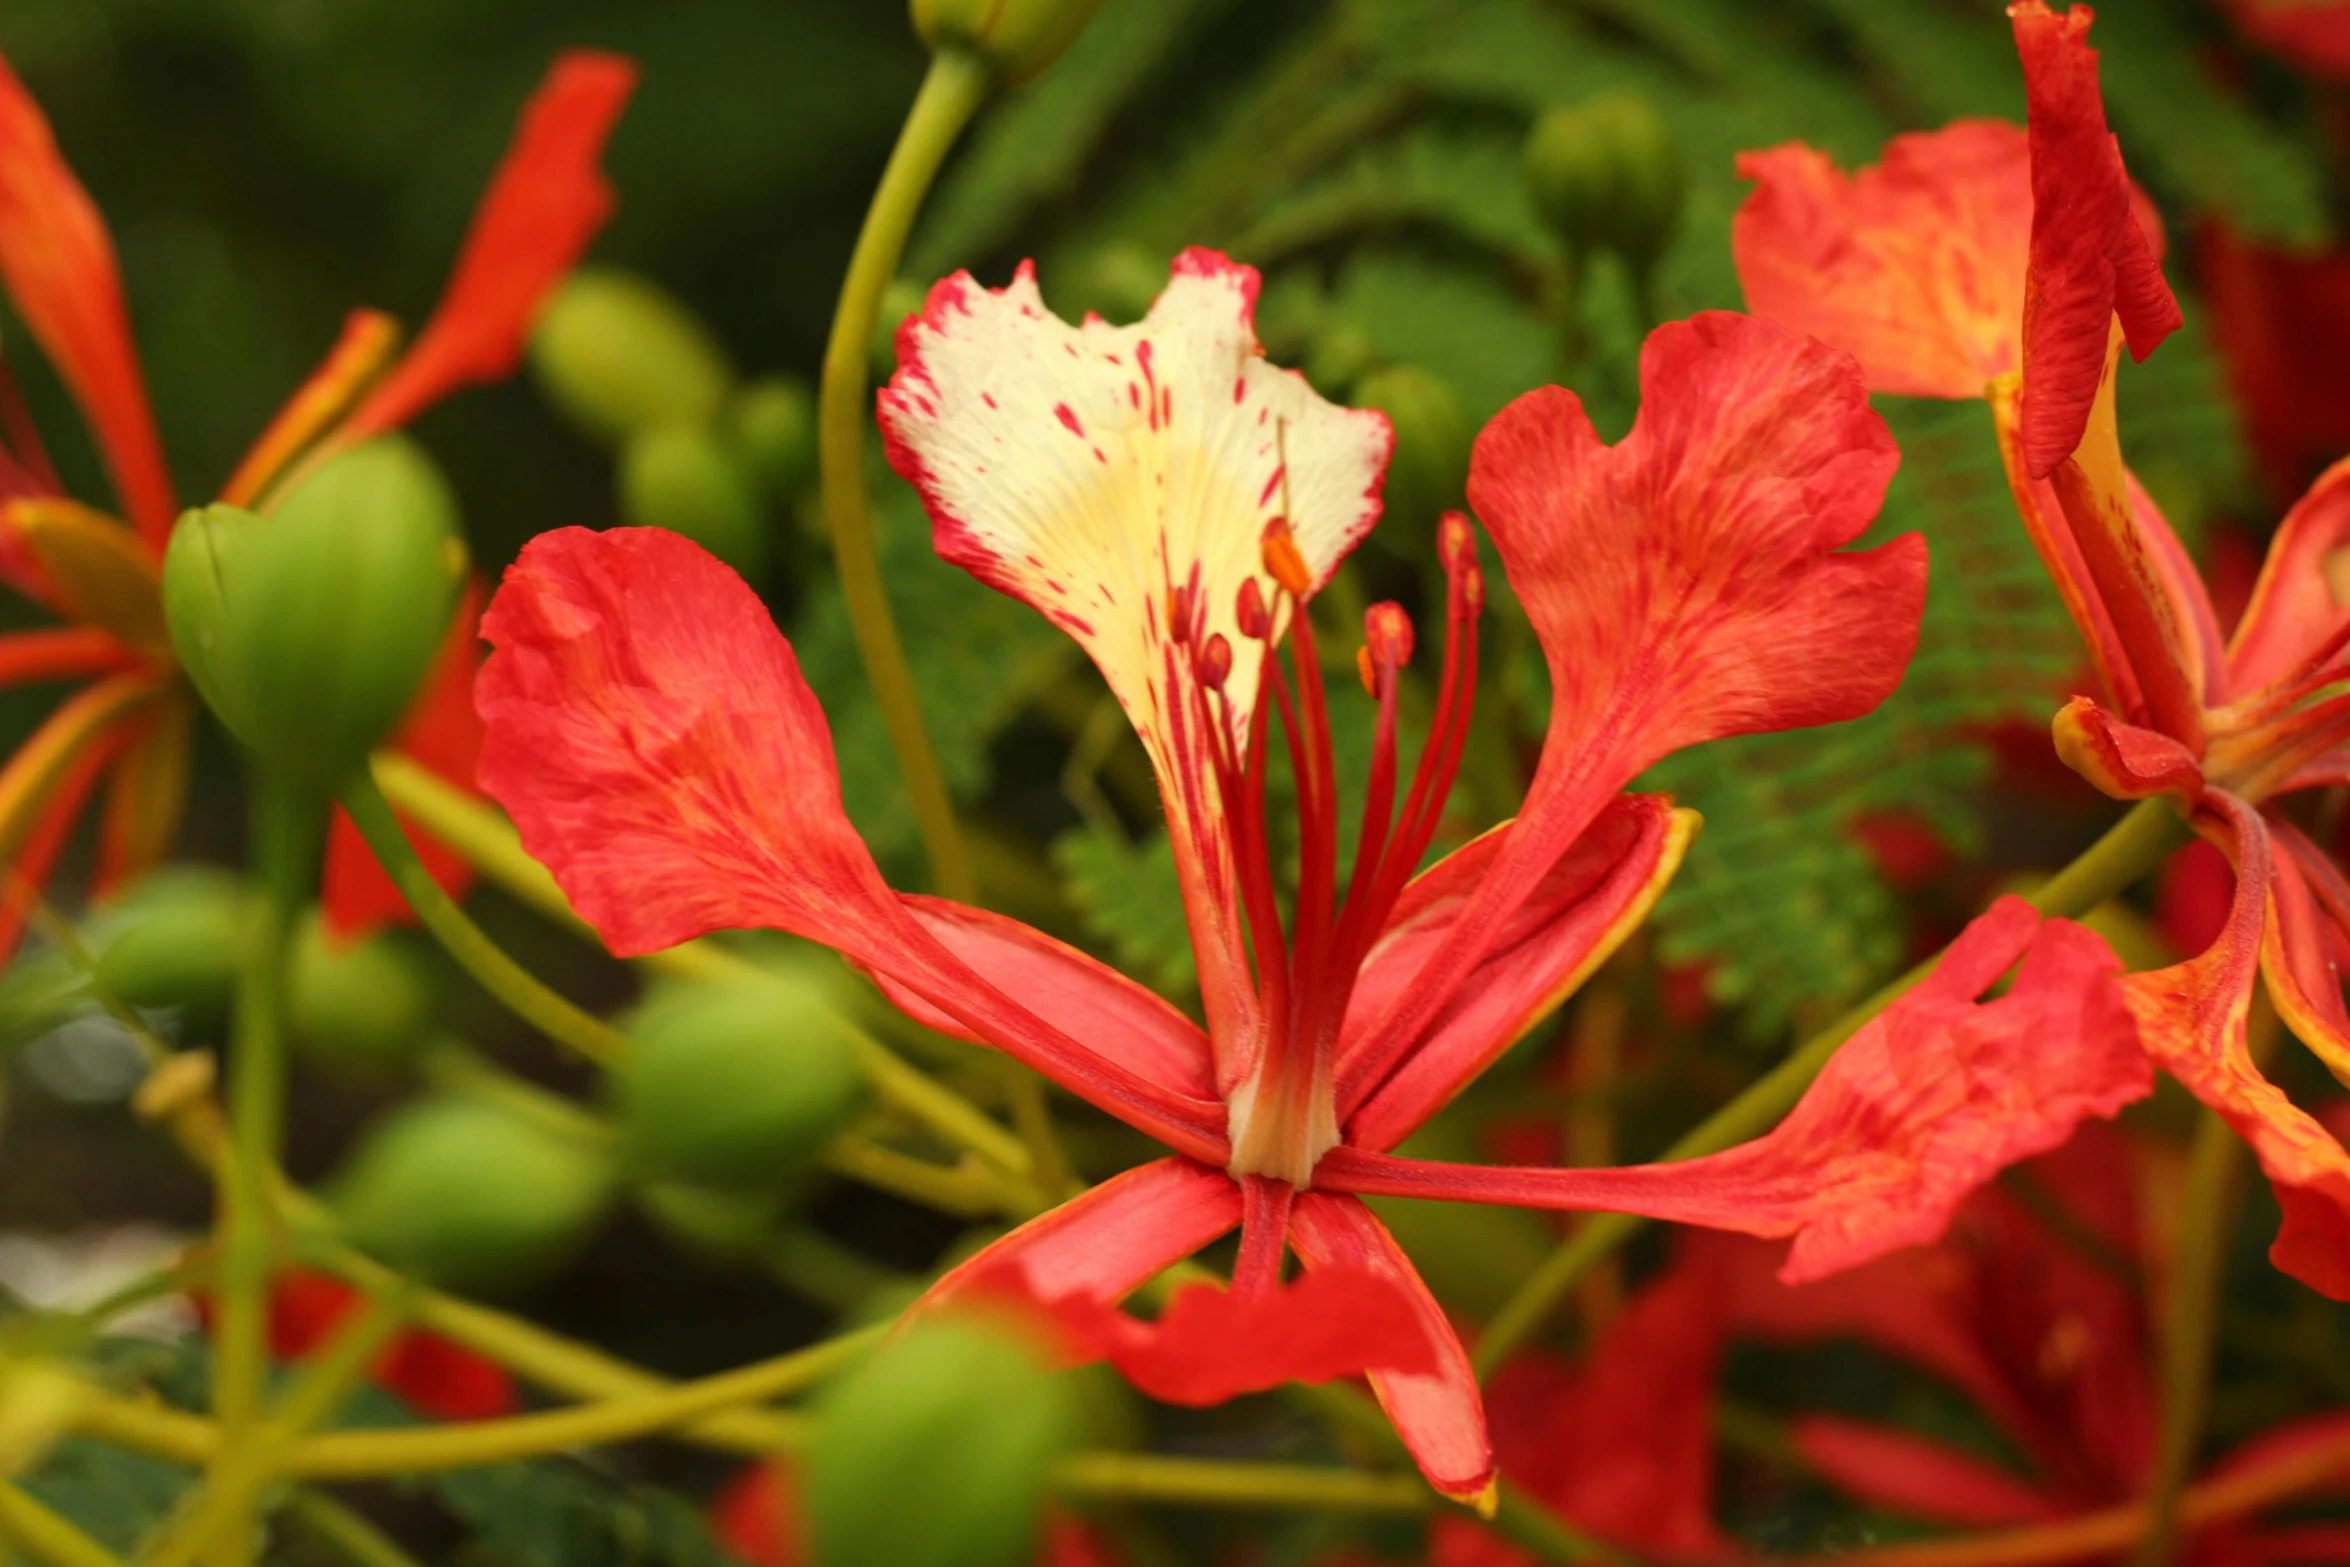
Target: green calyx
[
  {"x": 310, "y": 629},
  {"x": 1015, "y": 38}
]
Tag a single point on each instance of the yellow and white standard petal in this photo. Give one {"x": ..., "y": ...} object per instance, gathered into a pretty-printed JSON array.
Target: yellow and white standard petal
[{"x": 1119, "y": 477}]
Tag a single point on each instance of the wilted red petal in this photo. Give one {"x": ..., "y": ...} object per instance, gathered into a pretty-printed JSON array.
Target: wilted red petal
[
  {"x": 1914, "y": 266},
  {"x": 2090, "y": 260},
  {"x": 1098, "y": 473},
  {"x": 1931, "y": 1099},
  {"x": 1103, "y": 1244},
  {"x": 1211, "y": 1345},
  {"x": 2192, "y": 1018},
  {"x": 1083, "y": 996},
  {"x": 1685, "y": 583},
  {"x": 2298, "y": 605},
  {"x": 546, "y": 201},
  {"x": 1592, "y": 897},
  {"x": 1905, "y": 1473},
  {"x": 1438, "y": 1413},
  {"x": 650, "y": 733},
  {"x": 444, "y": 733},
  {"x": 58, "y": 262}
]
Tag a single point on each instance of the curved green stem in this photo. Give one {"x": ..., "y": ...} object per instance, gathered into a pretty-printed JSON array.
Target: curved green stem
[
  {"x": 481, "y": 957},
  {"x": 289, "y": 823},
  {"x": 45, "y": 1537},
  {"x": 2136, "y": 844},
  {"x": 951, "y": 93}
]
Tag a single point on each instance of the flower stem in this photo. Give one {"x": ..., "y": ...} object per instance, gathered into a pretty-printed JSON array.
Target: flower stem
[
  {"x": 2206, "y": 1210},
  {"x": 488, "y": 841},
  {"x": 289, "y": 822},
  {"x": 2133, "y": 846},
  {"x": 951, "y": 93},
  {"x": 45, "y": 1537},
  {"x": 479, "y": 956}
]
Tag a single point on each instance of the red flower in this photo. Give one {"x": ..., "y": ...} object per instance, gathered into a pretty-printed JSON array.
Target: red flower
[
  {"x": 2281, "y": 322},
  {"x": 432, "y": 1375},
  {"x": 130, "y": 728},
  {"x": 1174, "y": 503},
  {"x": 2314, "y": 32}
]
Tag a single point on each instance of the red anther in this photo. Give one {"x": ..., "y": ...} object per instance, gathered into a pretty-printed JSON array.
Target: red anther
[
  {"x": 1456, "y": 542},
  {"x": 1284, "y": 563},
  {"x": 1473, "y": 589},
  {"x": 1256, "y": 622},
  {"x": 1365, "y": 668},
  {"x": 1179, "y": 615},
  {"x": 1213, "y": 663},
  {"x": 1388, "y": 631}
]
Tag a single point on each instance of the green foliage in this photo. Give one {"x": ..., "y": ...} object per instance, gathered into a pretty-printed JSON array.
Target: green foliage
[
  {"x": 1130, "y": 896},
  {"x": 114, "y": 1495},
  {"x": 555, "y": 1513}
]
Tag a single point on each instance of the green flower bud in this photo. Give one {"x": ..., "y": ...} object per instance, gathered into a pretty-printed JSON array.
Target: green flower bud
[
  {"x": 736, "y": 1085},
  {"x": 1431, "y": 463},
  {"x": 727, "y": 1227},
  {"x": 1606, "y": 174},
  {"x": 617, "y": 354},
  {"x": 683, "y": 477},
  {"x": 310, "y": 629},
  {"x": 1118, "y": 281},
  {"x": 1017, "y": 38},
  {"x": 773, "y": 425},
  {"x": 1340, "y": 353},
  {"x": 471, "y": 1196},
  {"x": 371, "y": 1001},
  {"x": 935, "y": 1452},
  {"x": 177, "y": 940}
]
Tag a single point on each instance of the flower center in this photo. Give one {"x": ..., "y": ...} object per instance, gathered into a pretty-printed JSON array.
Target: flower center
[{"x": 1284, "y": 1113}]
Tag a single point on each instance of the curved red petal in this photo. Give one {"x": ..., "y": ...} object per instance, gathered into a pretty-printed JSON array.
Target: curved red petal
[
  {"x": 1931, "y": 1099},
  {"x": 2123, "y": 760},
  {"x": 444, "y": 733},
  {"x": 1438, "y": 1413},
  {"x": 2090, "y": 259},
  {"x": 2298, "y": 606},
  {"x": 649, "y": 731},
  {"x": 2192, "y": 1018},
  {"x": 1914, "y": 266},
  {"x": 546, "y": 201},
  {"x": 1901, "y": 1472},
  {"x": 58, "y": 262},
  {"x": 2308, "y": 900},
  {"x": 1593, "y": 896},
  {"x": 2314, "y": 32},
  {"x": 1103, "y": 1244}
]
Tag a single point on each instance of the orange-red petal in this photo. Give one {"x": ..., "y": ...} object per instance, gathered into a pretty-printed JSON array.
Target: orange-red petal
[{"x": 546, "y": 201}]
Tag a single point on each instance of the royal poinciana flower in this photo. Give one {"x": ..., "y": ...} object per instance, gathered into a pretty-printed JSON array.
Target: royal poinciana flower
[
  {"x": 2227, "y": 726},
  {"x": 127, "y": 730},
  {"x": 1174, "y": 503}
]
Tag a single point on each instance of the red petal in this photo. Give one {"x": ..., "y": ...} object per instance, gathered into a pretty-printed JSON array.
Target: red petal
[
  {"x": 755, "y": 1517},
  {"x": 650, "y": 733},
  {"x": 1914, "y": 266},
  {"x": 2192, "y": 1019},
  {"x": 60, "y": 654},
  {"x": 1592, "y": 897},
  {"x": 2090, "y": 260},
  {"x": 2192, "y": 897},
  {"x": 1624, "y": 1445},
  {"x": 2125, "y": 761},
  {"x": 546, "y": 201},
  {"x": 1438, "y": 1413},
  {"x": 444, "y": 733},
  {"x": 1904, "y": 1473},
  {"x": 43, "y": 843},
  {"x": 2314, "y": 32},
  {"x": 1933, "y": 1098},
  {"x": 2296, "y": 609},
  {"x": 446, "y": 1381},
  {"x": 59, "y": 265},
  {"x": 2308, "y": 901},
  {"x": 1211, "y": 1345},
  {"x": 1685, "y": 583},
  {"x": 1103, "y": 1244},
  {"x": 1082, "y": 996}
]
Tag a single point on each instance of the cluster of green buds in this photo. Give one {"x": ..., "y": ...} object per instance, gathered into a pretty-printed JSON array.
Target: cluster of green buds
[
  {"x": 701, "y": 452},
  {"x": 310, "y": 627}
]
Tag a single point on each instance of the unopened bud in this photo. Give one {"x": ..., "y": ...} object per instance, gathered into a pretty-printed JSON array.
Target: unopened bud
[
  {"x": 1016, "y": 38},
  {"x": 1284, "y": 562},
  {"x": 617, "y": 354},
  {"x": 310, "y": 629},
  {"x": 684, "y": 478},
  {"x": 176, "y": 940},
  {"x": 772, "y": 423},
  {"x": 370, "y": 1001},
  {"x": 1607, "y": 175}
]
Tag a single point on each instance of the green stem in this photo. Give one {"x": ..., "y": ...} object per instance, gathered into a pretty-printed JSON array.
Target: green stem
[
  {"x": 2136, "y": 844},
  {"x": 951, "y": 93},
  {"x": 499, "y": 974},
  {"x": 288, "y": 825},
  {"x": 2190, "y": 1314},
  {"x": 489, "y": 843},
  {"x": 336, "y": 1526},
  {"x": 47, "y": 1538},
  {"x": 1152, "y": 1477}
]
